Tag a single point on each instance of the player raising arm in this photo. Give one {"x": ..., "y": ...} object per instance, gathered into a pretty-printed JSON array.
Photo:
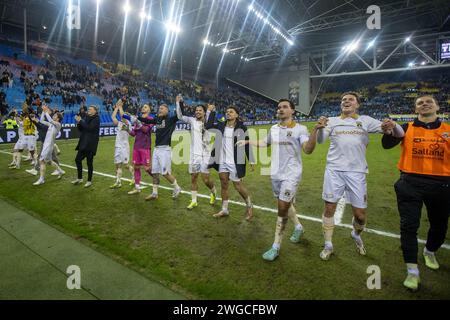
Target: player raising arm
[
  {"x": 199, "y": 151},
  {"x": 122, "y": 145},
  {"x": 54, "y": 126}
]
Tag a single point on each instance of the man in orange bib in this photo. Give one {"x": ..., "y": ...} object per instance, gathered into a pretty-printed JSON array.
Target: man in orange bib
[{"x": 425, "y": 179}]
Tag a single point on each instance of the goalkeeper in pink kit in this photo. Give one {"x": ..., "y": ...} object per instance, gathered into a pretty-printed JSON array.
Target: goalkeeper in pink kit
[{"x": 141, "y": 149}]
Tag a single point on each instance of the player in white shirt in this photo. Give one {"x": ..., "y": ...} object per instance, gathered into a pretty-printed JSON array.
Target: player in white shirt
[
  {"x": 346, "y": 167},
  {"x": 122, "y": 146},
  {"x": 287, "y": 139},
  {"x": 229, "y": 159},
  {"x": 20, "y": 145},
  {"x": 54, "y": 126},
  {"x": 199, "y": 151}
]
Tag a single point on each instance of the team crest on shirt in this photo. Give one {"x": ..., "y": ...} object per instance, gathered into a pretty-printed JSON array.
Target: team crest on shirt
[
  {"x": 287, "y": 193},
  {"x": 289, "y": 133},
  {"x": 359, "y": 124},
  {"x": 445, "y": 135}
]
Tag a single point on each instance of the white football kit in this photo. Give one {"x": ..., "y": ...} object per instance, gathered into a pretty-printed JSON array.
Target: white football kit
[
  {"x": 122, "y": 145},
  {"x": 286, "y": 160},
  {"x": 200, "y": 152},
  {"x": 162, "y": 160},
  {"x": 53, "y": 128},
  {"x": 226, "y": 163},
  {"x": 346, "y": 167},
  {"x": 20, "y": 143}
]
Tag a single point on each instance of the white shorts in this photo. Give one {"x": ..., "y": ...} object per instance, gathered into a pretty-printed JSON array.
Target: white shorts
[
  {"x": 199, "y": 164},
  {"x": 162, "y": 160},
  {"x": 335, "y": 183},
  {"x": 121, "y": 155},
  {"x": 30, "y": 142},
  {"x": 47, "y": 153},
  {"x": 231, "y": 169},
  {"x": 20, "y": 144},
  {"x": 284, "y": 190}
]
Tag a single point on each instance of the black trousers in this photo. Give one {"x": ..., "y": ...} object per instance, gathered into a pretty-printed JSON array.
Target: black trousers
[
  {"x": 412, "y": 192},
  {"x": 90, "y": 163}
]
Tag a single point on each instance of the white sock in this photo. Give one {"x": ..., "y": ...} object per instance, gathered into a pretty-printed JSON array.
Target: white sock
[
  {"x": 194, "y": 196},
  {"x": 213, "y": 190},
  {"x": 248, "y": 201},
  {"x": 225, "y": 205},
  {"x": 155, "y": 188},
  {"x": 279, "y": 231},
  {"x": 412, "y": 268},
  {"x": 328, "y": 244},
  {"x": 18, "y": 159},
  {"x": 137, "y": 186},
  {"x": 356, "y": 235},
  {"x": 428, "y": 253},
  {"x": 175, "y": 184},
  {"x": 292, "y": 214}
]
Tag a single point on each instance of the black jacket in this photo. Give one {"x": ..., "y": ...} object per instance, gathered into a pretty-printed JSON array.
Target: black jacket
[
  {"x": 89, "y": 134},
  {"x": 241, "y": 154}
]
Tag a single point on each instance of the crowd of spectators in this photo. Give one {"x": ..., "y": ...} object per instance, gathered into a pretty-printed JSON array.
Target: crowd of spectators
[{"x": 70, "y": 84}]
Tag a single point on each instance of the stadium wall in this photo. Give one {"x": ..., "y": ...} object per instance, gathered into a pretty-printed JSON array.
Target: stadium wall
[{"x": 272, "y": 84}]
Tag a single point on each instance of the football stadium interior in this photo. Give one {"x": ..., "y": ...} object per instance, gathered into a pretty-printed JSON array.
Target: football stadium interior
[{"x": 61, "y": 57}]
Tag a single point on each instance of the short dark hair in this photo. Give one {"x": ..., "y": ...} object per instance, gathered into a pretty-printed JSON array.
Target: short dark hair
[
  {"x": 426, "y": 95},
  {"x": 60, "y": 116},
  {"x": 201, "y": 106},
  {"x": 352, "y": 93},
  {"x": 234, "y": 108},
  {"x": 291, "y": 104}
]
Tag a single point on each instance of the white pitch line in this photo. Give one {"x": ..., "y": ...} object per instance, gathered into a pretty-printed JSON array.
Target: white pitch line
[{"x": 242, "y": 204}]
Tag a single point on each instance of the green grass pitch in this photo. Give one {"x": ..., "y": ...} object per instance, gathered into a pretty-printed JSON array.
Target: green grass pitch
[{"x": 205, "y": 258}]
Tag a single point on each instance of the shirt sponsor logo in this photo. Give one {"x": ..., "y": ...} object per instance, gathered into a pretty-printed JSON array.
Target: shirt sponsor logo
[
  {"x": 432, "y": 140},
  {"x": 350, "y": 132},
  {"x": 432, "y": 151}
]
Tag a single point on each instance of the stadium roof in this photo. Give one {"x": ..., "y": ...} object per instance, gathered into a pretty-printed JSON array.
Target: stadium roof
[{"x": 227, "y": 35}]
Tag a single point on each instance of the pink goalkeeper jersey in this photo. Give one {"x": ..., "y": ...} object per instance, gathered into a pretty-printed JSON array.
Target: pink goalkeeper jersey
[{"x": 142, "y": 134}]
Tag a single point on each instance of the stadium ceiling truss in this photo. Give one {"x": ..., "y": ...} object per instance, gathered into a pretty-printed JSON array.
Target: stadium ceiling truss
[
  {"x": 394, "y": 55},
  {"x": 393, "y": 13},
  {"x": 243, "y": 36},
  {"x": 400, "y": 10}
]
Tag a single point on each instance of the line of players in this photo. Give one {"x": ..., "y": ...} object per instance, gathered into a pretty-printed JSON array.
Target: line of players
[
  {"x": 30, "y": 130},
  {"x": 345, "y": 171}
]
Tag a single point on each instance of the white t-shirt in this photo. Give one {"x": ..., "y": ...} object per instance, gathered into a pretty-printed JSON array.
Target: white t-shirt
[
  {"x": 349, "y": 139},
  {"x": 53, "y": 128},
  {"x": 286, "y": 160},
  {"x": 199, "y": 137},
  {"x": 227, "y": 156},
  {"x": 20, "y": 128},
  {"x": 122, "y": 136}
]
